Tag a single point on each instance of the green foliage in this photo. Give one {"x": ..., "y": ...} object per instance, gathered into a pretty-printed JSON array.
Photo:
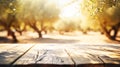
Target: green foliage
[
  {"x": 40, "y": 10},
  {"x": 7, "y": 11},
  {"x": 102, "y": 10},
  {"x": 38, "y": 13}
]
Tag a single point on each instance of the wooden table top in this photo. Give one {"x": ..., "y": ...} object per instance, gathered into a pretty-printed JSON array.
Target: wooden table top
[{"x": 64, "y": 55}]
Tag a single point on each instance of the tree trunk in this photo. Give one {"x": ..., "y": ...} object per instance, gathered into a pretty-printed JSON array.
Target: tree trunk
[
  {"x": 106, "y": 31},
  {"x": 19, "y": 31},
  {"x": 11, "y": 33},
  {"x": 115, "y": 29},
  {"x": 39, "y": 33},
  {"x": 8, "y": 33},
  {"x": 37, "y": 30}
]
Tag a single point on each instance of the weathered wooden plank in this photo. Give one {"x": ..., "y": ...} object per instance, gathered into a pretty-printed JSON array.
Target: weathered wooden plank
[
  {"x": 111, "y": 59},
  {"x": 83, "y": 59},
  {"x": 81, "y": 56},
  {"x": 108, "y": 57},
  {"x": 4, "y": 47},
  {"x": 10, "y": 55},
  {"x": 109, "y": 54},
  {"x": 44, "y": 56}
]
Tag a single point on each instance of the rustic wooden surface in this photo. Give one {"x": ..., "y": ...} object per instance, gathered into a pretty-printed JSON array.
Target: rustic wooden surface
[
  {"x": 9, "y": 53},
  {"x": 43, "y": 55}
]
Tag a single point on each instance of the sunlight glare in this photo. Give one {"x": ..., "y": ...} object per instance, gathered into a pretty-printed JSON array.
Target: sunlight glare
[
  {"x": 62, "y": 3},
  {"x": 69, "y": 8},
  {"x": 70, "y": 11}
]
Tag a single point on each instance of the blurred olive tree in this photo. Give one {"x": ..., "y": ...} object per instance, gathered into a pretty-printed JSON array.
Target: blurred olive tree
[
  {"x": 105, "y": 14},
  {"x": 38, "y": 14},
  {"x": 8, "y": 10}
]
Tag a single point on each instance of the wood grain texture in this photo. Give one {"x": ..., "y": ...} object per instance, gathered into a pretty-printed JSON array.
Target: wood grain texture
[
  {"x": 5, "y": 47},
  {"x": 83, "y": 59},
  {"x": 109, "y": 54},
  {"x": 10, "y": 53},
  {"x": 44, "y": 56},
  {"x": 52, "y": 55}
]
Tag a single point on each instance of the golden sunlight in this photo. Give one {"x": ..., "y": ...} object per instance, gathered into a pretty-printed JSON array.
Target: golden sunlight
[
  {"x": 62, "y": 3},
  {"x": 53, "y": 33},
  {"x": 69, "y": 8},
  {"x": 70, "y": 11}
]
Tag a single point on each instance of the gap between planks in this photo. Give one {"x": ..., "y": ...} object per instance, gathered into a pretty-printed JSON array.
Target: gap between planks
[
  {"x": 11, "y": 52},
  {"x": 21, "y": 55},
  {"x": 44, "y": 56}
]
